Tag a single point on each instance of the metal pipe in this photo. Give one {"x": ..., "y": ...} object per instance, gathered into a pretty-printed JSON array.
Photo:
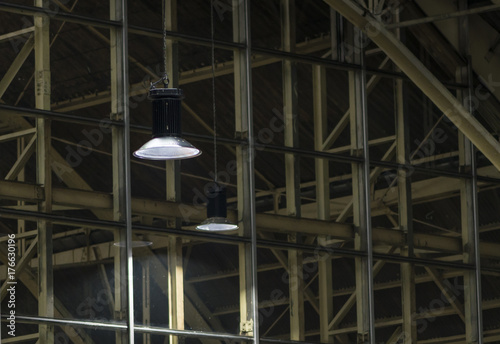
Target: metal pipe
[
  {"x": 124, "y": 92},
  {"x": 191, "y": 333},
  {"x": 366, "y": 200},
  {"x": 444, "y": 16},
  {"x": 123, "y": 327},
  {"x": 63, "y": 322},
  {"x": 251, "y": 179},
  {"x": 475, "y": 212}
]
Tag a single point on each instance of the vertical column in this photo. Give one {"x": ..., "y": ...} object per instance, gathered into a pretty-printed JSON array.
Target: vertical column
[
  {"x": 292, "y": 168},
  {"x": 405, "y": 216},
  {"x": 146, "y": 300},
  {"x": 123, "y": 269},
  {"x": 361, "y": 193},
  {"x": 245, "y": 166},
  {"x": 43, "y": 175},
  {"x": 468, "y": 200},
  {"x": 322, "y": 200},
  {"x": 175, "y": 265},
  {"x": 176, "y": 286}
]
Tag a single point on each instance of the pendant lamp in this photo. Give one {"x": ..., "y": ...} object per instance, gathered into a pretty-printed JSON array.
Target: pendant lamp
[
  {"x": 217, "y": 203},
  {"x": 167, "y": 142},
  {"x": 217, "y": 212}
]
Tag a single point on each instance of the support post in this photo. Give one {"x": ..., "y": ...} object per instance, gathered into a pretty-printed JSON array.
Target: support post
[
  {"x": 173, "y": 171},
  {"x": 323, "y": 201},
  {"x": 405, "y": 214},
  {"x": 43, "y": 175},
  {"x": 361, "y": 193},
  {"x": 123, "y": 267},
  {"x": 468, "y": 199},
  {"x": 249, "y": 321},
  {"x": 175, "y": 286},
  {"x": 292, "y": 168},
  {"x": 290, "y": 108}
]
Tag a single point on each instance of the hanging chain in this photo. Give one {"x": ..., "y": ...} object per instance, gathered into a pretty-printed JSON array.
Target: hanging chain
[
  {"x": 165, "y": 75},
  {"x": 212, "y": 30}
]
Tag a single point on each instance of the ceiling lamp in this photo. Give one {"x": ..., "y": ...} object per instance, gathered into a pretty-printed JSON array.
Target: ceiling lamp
[
  {"x": 217, "y": 212},
  {"x": 167, "y": 143},
  {"x": 217, "y": 203}
]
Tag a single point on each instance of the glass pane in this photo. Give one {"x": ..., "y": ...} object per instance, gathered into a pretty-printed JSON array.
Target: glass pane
[{"x": 197, "y": 280}]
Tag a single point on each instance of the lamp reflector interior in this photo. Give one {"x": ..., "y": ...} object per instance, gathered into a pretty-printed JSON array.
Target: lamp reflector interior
[
  {"x": 167, "y": 148},
  {"x": 217, "y": 224}
]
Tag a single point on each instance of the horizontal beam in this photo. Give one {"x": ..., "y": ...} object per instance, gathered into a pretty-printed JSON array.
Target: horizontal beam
[
  {"x": 423, "y": 191},
  {"x": 265, "y": 222}
]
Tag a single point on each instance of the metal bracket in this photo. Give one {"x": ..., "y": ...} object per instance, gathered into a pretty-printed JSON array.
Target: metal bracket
[
  {"x": 43, "y": 83},
  {"x": 362, "y": 338},
  {"x": 116, "y": 116},
  {"x": 246, "y": 326}
]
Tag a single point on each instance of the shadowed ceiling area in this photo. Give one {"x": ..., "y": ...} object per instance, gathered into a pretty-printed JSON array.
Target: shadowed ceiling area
[{"x": 366, "y": 213}]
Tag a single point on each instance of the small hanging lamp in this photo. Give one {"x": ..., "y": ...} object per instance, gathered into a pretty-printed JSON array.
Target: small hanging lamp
[
  {"x": 217, "y": 203},
  {"x": 167, "y": 143},
  {"x": 217, "y": 212}
]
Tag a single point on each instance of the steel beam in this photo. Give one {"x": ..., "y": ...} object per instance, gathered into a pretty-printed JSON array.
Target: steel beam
[
  {"x": 405, "y": 214},
  {"x": 444, "y": 16},
  {"x": 175, "y": 286},
  {"x": 322, "y": 199},
  {"x": 43, "y": 175},
  {"x": 472, "y": 311},
  {"x": 123, "y": 268},
  {"x": 361, "y": 194},
  {"x": 173, "y": 190},
  {"x": 344, "y": 121},
  {"x": 22, "y": 159},
  {"x": 17, "y": 134},
  {"x": 351, "y": 301},
  {"x": 14, "y": 34},
  {"x": 422, "y": 78},
  {"x": 292, "y": 168},
  {"x": 16, "y": 65},
  {"x": 95, "y": 201},
  {"x": 249, "y": 321}
]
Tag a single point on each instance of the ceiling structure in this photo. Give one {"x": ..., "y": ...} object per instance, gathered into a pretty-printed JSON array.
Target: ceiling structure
[{"x": 357, "y": 140}]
